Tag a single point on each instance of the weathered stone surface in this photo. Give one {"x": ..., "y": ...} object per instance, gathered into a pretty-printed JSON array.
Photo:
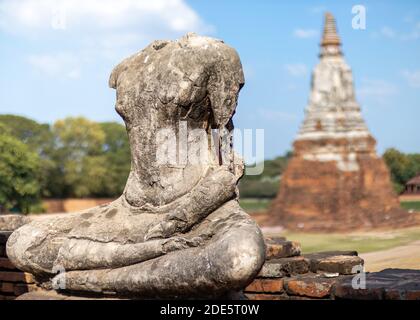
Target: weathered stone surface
[
  {"x": 390, "y": 284},
  {"x": 335, "y": 179},
  {"x": 53, "y": 295},
  {"x": 278, "y": 268},
  {"x": 341, "y": 262},
  {"x": 281, "y": 248},
  {"x": 265, "y": 285},
  {"x": 310, "y": 285},
  {"x": 10, "y": 222},
  {"x": 178, "y": 229}
]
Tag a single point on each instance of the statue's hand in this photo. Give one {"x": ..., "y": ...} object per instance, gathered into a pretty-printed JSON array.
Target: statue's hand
[
  {"x": 217, "y": 188},
  {"x": 171, "y": 224},
  {"x": 178, "y": 243}
]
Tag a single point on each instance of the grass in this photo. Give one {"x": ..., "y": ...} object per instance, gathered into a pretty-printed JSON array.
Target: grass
[
  {"x": 411, "y": 205},
  {"x": 255, "y": 204},
  {"x": 362, "y": 242},
  {"x": 251, "y": 204}
]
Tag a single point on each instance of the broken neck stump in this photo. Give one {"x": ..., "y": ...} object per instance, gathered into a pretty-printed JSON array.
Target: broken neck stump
[
  {"x": 335, "y": 180},
  {"x": 177, "y": 230}
]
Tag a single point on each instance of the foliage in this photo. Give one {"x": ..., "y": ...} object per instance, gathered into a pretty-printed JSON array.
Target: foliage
[
  {"x": 80, "y": 165},
  {"x": 91, "y": 159},
  {"x": 37, "y": 137},
  {"x": 402, "y": 167},
  {"x": 19, "y": 175},
  {"x": 76, "y": 157},
  {"x": 116, "y": 150},
  {"x": 266, "y": 184}
]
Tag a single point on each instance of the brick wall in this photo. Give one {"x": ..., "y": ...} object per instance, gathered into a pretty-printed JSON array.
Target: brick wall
[
  {"x": 13, "y": 282},
  {"x": 287, "y": 275}
]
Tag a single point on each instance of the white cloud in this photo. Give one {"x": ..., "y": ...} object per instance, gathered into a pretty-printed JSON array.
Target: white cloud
[
  {"x": 388, "y": 32},
  {"x": 275, "y": 115},
  {"x": 27, "y": 16},
  {"x": 378, "y": 90},
  {"x": 55, "y": 65},
  {"x": 296, "y": 69},
  {"x": 414, "y": 34},
  {"x": 413, "y": 78},
  {"x": 305, "y": 33},
  {"x": 93, "y": 29}
]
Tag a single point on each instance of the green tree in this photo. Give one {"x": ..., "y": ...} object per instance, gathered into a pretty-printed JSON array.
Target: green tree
[
  {"x": 414, "y": 165},
  {"x": 265, "y": 185},
  {"x": 38, "y": 138},
  {"x": 397, "y": 163},
  {"x": 80, "y": 165},
  {"x": 19, "y": 175},
  {"x": 116, "y": 150},
  {"x": 401, "y": 166}
]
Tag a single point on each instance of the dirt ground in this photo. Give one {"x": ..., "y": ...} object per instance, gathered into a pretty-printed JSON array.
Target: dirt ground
[{"x": 406, "y": 257}]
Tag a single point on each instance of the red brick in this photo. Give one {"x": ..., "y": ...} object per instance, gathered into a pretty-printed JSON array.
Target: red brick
[
  {"x": 412, "y": 295},
  {"x": 10, "y": 276},
  {"x": 341, "y": 262},
  {"x": 21, "y": 288},
  {"x": 6, "y": 264},
  {"x": 310, "y": 286},
  {"x": 2, "y": 250},
  {"x": 281, "y": 248},
  {"x": 266, "y": 285},
  {"x": 262, "y": 296},
  {"x": 283, "y": 267}
]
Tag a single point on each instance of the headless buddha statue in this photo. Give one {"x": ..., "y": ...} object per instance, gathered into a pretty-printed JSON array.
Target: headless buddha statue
[{"x": 177, "y": 230}]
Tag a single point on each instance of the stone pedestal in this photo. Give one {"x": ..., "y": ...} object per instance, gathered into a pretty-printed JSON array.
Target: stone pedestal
[{"x": 327, "y": 276}]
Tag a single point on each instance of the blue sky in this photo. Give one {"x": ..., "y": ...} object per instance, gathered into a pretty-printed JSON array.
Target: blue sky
[{"x": 56, "y": 56}]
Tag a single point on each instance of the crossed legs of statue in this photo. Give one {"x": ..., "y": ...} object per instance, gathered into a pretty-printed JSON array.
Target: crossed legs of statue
[{"x": 110, "y": 248}]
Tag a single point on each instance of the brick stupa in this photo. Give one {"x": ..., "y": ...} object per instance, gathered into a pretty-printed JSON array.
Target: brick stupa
[{"x": 335, "y": 179}]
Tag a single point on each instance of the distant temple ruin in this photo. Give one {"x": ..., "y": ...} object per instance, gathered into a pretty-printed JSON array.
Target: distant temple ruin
[
  {"x": 335, "y": 180},
  {"x": 412, "y": 187}
]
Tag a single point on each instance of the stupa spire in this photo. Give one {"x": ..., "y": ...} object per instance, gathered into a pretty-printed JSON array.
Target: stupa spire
[
  {"x": 335, "y": 180},
  {"x": 330, "y": 42}
]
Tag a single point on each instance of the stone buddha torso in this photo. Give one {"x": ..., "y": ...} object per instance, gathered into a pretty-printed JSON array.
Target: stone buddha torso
[{"x": 154, "y": 100}]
